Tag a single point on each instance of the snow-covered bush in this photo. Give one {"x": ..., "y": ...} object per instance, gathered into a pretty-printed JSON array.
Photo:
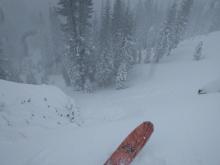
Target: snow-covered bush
[
  {"x": 198, "y": 52},
  {"x": 121, "y": 76}
]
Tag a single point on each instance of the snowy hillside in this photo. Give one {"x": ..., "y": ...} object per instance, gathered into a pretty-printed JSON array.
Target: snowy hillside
[
  {"x": 186, "y": 124},
  {"x": 24, "y": 105}
]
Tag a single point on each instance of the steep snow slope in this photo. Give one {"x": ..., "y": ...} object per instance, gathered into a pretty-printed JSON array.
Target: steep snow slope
[
  {"x": 28, "y": 112},
  {"x": 186, "y": 124}
]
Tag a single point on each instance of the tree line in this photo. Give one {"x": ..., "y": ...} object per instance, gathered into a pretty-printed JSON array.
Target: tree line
[{"x": 98, "y": 49}]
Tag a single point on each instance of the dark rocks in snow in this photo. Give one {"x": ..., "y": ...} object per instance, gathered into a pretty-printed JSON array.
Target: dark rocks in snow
[
  {"x": 200, "y": 92},
  {"x": 26, "y": 101}
]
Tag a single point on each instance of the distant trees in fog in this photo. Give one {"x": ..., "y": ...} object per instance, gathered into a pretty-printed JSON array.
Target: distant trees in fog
[{"x": 98, "y": 49}]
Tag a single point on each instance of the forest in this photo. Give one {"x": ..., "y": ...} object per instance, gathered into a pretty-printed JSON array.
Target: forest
[{"x": 96, "y": 48}]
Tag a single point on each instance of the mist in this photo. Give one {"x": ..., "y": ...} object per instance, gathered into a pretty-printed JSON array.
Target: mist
[
  {"x": 27, "y": 28},
  {"x": 77, "y": 76}
]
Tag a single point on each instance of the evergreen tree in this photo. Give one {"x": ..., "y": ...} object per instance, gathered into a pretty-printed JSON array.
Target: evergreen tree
[
  {"x": 166, "y": 41},
  {"x": 121, "y": 76},
  {"x": 3, "y": 74},
  {"x": 182, "y": 20},
  {"x": 7, "y": 72},
  {"x": 4, "y": 61},
  {"x": 215, "y": 25},
  {"x": 105, "y": 64},
  {"x": 117, "y": 32},
  {"x": 147, "y": 21},
  {"x": 170, "y": 27},
  {"x": 140, "y": 24},
  {"x": 173, "y": 29},
  {"x": 198, "y": 52},
  {"x": 79, "y": 56},
  {"x": 128, "y": 22},
  {"x": 122, "y": 26}
]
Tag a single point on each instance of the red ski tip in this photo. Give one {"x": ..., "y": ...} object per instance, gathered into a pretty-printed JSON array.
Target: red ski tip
[{"x": 132, "y": 145}]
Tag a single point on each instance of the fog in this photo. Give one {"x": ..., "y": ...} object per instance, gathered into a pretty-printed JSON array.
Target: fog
[{"x": 26, "y": 28}]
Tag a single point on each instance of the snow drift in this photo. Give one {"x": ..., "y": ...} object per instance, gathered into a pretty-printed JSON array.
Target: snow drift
[{"x": 22, "y": 105}]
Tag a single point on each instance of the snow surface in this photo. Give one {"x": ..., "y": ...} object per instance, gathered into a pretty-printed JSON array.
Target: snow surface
[
  {"x": 23, "y": 105},
  {"x": 212, "y": 87},
  {"x": 186, "y": 124}
]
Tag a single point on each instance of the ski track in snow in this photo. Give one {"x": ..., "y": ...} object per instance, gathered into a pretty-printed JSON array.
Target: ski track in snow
[{"x": 186, "y": 124}]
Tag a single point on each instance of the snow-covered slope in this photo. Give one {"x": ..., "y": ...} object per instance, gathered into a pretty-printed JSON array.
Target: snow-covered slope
[
  {"x": 24, "y": 105},
  {"x": 187, "y": 128}
]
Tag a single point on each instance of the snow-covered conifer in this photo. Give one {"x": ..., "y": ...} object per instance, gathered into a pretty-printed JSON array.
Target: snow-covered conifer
[
  {"x": 105, "y": 60},
  {"x": 121, "y": 76},
  {"x": 182, "y": 20},
  {"x": 123, "y": 44},
  {"x": 77, "y": 31},
  {"x": 198, "y": 51},
  {"x": 166, "y": 40},
  {"x": 3, "y": 72},
  {"x": 215, "y": 25}
]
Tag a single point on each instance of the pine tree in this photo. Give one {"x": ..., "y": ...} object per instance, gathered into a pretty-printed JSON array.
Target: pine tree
[
  {"x": 162, "y": 46},
  {"x": 215, "y": 25},
  {"x": 173, "y": 29},
  {"x": 117, "y": 32},
  {"x": 140, "y": 23},
  {"x": 128, "y": 22},
  {"x": 121, "y": 76},
  {"x": 79, "y": 60},
  {"x": 4, "y": 62},
  {"x": 7, "y": 72},
  {"x": 105, "y": 64},
  {"x": 166, "y": 41},
  {"x": 182, "y": 20},
  {"x": 3, "y": 74},
  {"x": 124, "y": 65},
  {"x": 147, "y": 20},
  {"x": 170, "y": 27},
  {"x": 122, "y": 31},
  {"x": 118, "y": 39}
]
